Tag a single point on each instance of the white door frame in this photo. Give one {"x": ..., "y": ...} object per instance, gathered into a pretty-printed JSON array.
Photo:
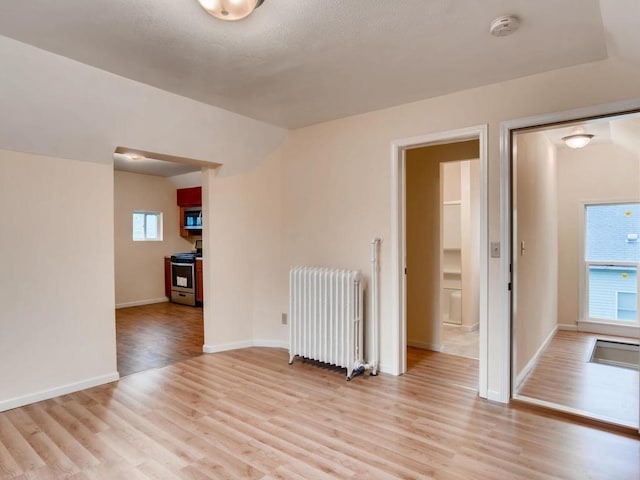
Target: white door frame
[
  {"x": 506, "y": 148},
  {"x": 398, "y": 241}
]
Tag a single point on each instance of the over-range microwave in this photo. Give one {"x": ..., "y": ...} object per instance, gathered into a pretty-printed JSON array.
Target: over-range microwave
[{"x": 192, "y": 219}]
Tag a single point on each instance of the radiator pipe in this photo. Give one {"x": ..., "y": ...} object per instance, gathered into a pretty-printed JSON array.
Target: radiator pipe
[{"x": 375, "y": 302}]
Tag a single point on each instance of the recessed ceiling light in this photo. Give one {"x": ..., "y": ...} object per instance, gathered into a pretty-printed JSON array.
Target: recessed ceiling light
[
  {"x": 578, "y": 140},
  {"x": 505, "y": 25},
  {"x": 230, "y": 10}
]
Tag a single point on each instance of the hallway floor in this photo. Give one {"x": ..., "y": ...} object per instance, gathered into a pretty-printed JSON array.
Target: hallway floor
[
  {"x": 564, "y": 376},
  {"x": 443, "y": 368},
  {"x": 456, "y": 341},
  {"x": 157, "y": 335}
]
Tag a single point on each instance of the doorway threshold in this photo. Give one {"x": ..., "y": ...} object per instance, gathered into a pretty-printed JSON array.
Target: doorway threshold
[{"x": 576, "y": 412}]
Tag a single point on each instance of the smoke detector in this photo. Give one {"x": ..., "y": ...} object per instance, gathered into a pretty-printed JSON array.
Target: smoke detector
[{"x": 503, "y": 26}]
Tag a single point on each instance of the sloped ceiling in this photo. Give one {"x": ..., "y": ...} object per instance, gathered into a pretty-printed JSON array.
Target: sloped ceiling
[{"x": 297, "y": 62}]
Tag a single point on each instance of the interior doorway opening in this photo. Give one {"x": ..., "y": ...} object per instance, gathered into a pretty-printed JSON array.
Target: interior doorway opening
[
  {"x": 574, "y": 256},
  {"x": 158, "y": 254},
  {"x": 419, "y": 345},
  {"x": 443, "y": 253}
]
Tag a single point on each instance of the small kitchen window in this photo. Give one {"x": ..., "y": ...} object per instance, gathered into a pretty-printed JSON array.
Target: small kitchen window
[{"x": 147, "y": 226}]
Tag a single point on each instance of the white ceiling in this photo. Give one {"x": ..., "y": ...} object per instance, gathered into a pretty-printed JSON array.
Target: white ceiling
[
  {"x": 621, "y": 130},
  {"x": 297, "y": 62}
]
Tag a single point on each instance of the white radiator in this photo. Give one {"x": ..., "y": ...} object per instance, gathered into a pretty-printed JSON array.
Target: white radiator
[{"x": 325, "y": 317}]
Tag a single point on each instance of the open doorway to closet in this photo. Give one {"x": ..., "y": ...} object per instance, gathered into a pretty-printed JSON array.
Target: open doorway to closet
[
  {"x": 443, "y": 261},
  {"x": 575, "y": 257}
]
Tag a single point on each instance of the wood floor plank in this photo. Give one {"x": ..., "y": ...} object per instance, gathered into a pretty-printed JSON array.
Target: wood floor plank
[
  {"x": 55, "y": 460},
  {"x": 157, "y": 335},
  {"x": 564, "y": 375},
  {"x": 248, "y": 414}
]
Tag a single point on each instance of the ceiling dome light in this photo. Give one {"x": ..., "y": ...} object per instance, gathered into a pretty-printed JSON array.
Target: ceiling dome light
[
  {"x": 230, "y": 10},
  {"x": 578, "y": 140}
]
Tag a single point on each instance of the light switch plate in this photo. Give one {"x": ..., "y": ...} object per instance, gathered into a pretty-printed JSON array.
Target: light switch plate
[
  {"x": 495, "y": 249},
  {"x": 284, "y": 319}
]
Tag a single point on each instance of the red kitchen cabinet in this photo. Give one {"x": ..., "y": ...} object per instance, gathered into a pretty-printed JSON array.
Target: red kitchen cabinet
[
  {"x": 167, "y": 277},
  {"x": 189, "y": 197},
  {"x": 199, "y": 281}
]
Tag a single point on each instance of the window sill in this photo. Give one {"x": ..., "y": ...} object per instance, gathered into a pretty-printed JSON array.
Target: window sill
[{"x": 626, "y": 329}]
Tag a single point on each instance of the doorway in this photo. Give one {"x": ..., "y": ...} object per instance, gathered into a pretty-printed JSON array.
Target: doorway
[
  {"x": 150, "y": 229},
  {"x": 575, "y": 224},
  {"x": 417, "y": 164},
  {"x": 442, "y": 226}
]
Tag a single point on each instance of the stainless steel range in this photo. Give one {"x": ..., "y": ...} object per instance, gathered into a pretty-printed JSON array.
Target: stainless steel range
[{"x": 183, "y": 278}]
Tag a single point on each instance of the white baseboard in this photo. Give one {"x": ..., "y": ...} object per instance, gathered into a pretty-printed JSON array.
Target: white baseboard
[
  {"x": 571, "y": 327},
  {"x": 534, "y": 359},
  {"x": 57, "y": 391},
  {"x": 137, "y": 303},
  {"x": 610, "y": 329},
  {"x": 225, "y": 347},
  {"x": 470, "y": 328},
  {"x": 384, "y": 368},
  {"x": 495, "y": 396},
  {"x": 424, "y": 346},
  {"x": 271, "y": 344}
]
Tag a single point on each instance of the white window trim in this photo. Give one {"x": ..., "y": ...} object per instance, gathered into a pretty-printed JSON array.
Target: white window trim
[
  {"x": 159, "y": 216},
  {"x": 583, "y": 277}
]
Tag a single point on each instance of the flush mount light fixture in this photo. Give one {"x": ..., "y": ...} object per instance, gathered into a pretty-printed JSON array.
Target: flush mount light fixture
[
  {"x": 134, "y": 157},
  {"x": 230, "y": 10},
  {"x": 578, "y": 140}
]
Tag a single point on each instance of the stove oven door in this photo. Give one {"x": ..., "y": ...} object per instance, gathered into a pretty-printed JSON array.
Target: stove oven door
[{"x": 183, "y": 285}]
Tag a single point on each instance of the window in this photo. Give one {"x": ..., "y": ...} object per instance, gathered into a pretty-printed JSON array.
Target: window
[
  {"x": 612, "y": 255},
  {"x": 147, "y": 226}
]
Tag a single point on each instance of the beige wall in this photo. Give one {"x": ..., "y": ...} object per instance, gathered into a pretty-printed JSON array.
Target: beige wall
[
  {"x": 57, "y": 328},
  {"x": 243, "y": 247},
  {"x": 139, "y": 266},
  {"x": 336, "y": 187},
  {"x": 331, "y": 180},
  {"x": 598, "y": 172},
  {"x": 423, "y": 248},
  {"x": 536, "y": 223},
  {"x": 423, "y": 237}
]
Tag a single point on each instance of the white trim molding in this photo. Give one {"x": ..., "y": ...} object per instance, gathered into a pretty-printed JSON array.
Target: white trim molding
[
  {"x": 57, "y": 391},
  {"x": 398, "y": 244},
  {"x": 425, "y": 346},
  {"x": 534, "y": 359},
  {"x": 138, "y": 303},
  {"x": 225, "y": 347},
  {"x": 609, "y": 328},
  {"x": 570, "y": 327}
]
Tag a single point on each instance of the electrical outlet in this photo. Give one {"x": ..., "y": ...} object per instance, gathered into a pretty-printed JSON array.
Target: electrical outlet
[{"x": 284, "y": 318}]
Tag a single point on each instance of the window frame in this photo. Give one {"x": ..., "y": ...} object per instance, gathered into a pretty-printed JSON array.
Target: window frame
[
  {"x": 583, "y": 267},
  {"x": 160, "y": 226}
]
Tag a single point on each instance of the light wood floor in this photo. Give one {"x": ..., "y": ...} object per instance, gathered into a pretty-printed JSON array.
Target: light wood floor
[
  {"x": 152, "y": 336},
  {"x": 443, "y": 367},
  {"x": 248, "y": 414},
  {"x": 564, "y": 375}
]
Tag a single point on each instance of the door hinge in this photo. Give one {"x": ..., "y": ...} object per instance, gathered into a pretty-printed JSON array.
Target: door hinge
[
  {"x": 509, "y": 286},
  {"x": 405, "y": 270}
]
